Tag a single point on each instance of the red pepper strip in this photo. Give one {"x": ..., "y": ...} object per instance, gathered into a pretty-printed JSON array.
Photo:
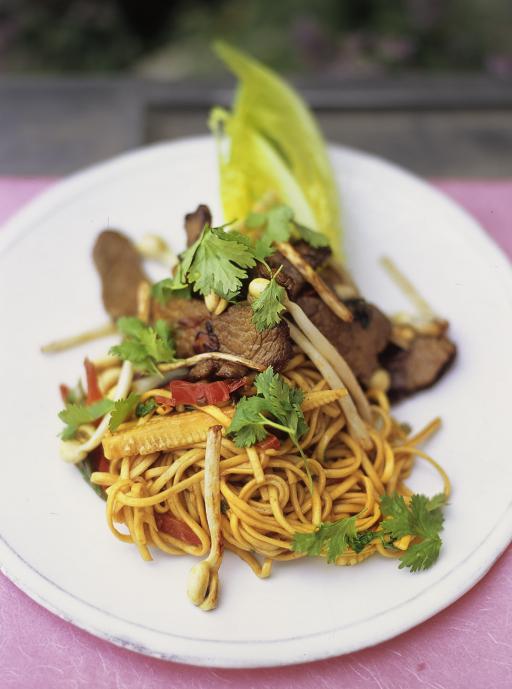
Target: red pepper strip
[
  {"x": 271, "y": 442},
  {"x": 176, "y": 528},
  {"x": 184, "y": 392},
  {"x": 93, "y": 388},
  {"x": 64, "y": 392},
  {"x": 98, "y": 460}
]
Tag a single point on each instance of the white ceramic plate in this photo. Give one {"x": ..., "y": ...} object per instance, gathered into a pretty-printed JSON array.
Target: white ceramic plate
[{"x": 55, "y": 544}]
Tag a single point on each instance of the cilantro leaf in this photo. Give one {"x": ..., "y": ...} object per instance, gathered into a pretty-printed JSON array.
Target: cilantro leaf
[
  {"x": 426, "y": 517},
  {"x": 144, "y": 345},
  {"x": 170, "y": 288},
  {"x": 423, "y": 519},
  {"x": 280, "y": 226},
  {"x": 315, "y": 239},
  {"x": 146, "y": 407},
  {"x": 255, "y": 220},
  {"x": 421, "y": 555},
  {"x": 362, "y": 538},
  {"x": 332, "y": 539},
  {"x": 284, "y": 402},
  {"x": 268, "y": 306},
  {"x": 247, "y": 424},
  {"x": 217, "y": 262},
  {"x": 76, "y": 415},
  {"x": 122, "y": 410},
  {"x": 398, "y": 523},
  {"x": 263, "y": 248},
  {"x": 276, "y": 399}
]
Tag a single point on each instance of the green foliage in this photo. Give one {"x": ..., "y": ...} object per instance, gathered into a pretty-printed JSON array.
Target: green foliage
[
  {"x": 276, "y": 405},
  {"x": 145, "y": 346},
  {"x": 267, "y": 308}
]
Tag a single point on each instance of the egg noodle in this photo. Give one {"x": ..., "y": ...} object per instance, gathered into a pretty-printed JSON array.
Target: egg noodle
[{"x": 265, "y": 494}]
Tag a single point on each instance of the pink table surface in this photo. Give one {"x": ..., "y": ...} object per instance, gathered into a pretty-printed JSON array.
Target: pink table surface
[{"x": 467, "y": 646}]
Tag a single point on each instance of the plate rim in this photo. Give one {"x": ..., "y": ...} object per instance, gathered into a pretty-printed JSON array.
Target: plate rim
[{"x": 48, "y": 594}]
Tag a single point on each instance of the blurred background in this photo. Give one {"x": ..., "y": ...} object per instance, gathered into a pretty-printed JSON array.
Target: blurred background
[{"x": 426, "y": 83}]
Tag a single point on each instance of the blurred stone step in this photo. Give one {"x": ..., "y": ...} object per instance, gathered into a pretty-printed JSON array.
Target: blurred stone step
[{"x": 436, "y": 126}]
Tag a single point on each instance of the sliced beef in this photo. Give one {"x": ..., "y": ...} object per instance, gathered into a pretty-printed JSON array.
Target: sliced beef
[
  {"x": 419, "y": 366},
  {"x": 195, "y": 222},
  {"x": 189, "y": 320},
  {"x": 359, "y": 342},
  {"x": 339, "y": 281},
  {"x": 236, "y": 334},
  {"x": 120, "y": 267},
  {"x": 289, "y": 277}
]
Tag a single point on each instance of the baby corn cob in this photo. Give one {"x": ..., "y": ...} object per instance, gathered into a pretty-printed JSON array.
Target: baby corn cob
[
  {"x": 161, "y": 434},
  {"x": 317, "y": 398},
  {"x": 171, "y": 432}
]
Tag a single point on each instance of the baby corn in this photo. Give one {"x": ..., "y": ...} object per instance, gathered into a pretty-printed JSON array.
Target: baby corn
[{"x": 162, "y": 434}]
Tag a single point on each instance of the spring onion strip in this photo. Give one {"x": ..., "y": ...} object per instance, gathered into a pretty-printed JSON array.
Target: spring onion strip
[
  {"x": 81, "y": 338},
  {"x": 355, "y": 423},
  {"x": 332, "y": 355}
]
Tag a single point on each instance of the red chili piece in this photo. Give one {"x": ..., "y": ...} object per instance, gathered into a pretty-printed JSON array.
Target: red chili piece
[
  {"x": 98, "y": 460},
  {"x": 184, "y": 392},
  {"x": 64, "y": 392},
  {"x": 176, "y": 528},
  {"x": 93, "y": 388},
  {"x": 271, "y": 442}
]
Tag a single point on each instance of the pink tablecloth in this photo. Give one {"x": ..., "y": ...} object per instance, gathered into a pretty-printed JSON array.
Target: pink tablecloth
[{"x": 468, "y": 646}]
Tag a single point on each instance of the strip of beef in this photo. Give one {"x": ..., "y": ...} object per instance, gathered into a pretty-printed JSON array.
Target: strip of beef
[
  {"x": 120, "y": 267},
  {"x": 360, "y": 341},
  {"x": 289, "y": 277},
  {"x": 419, "y": 366},
  {"x": 237, "y": 335},
  {"x": 195, "y": 222},
  {"x": 189, "y": 319}
]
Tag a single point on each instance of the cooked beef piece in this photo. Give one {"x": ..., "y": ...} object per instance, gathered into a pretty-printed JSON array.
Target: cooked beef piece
[
  {"x": 195, "y": 222},
  {"x": 358, "y": 342},
  {"x": 420, "y": 366},
  {"x": 237, "y": 335},
  {"x": 339, "y": 281},
  {"x": 206, "y": 339},
  {"x": 120, "y": 267},
  {"x": 189, "y": 318},
  {"x": 289, "y": 277},
  {"x": 233, "y": 332}
]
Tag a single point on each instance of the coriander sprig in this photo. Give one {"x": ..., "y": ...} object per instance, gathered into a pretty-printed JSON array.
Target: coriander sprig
[
  {"x": 333, "y": 539},
  {"x": 219, "y": 260},
  {"x": 422, "y": 519},
  {"x": 279, "y": 225},
  {"x": 276, "y": 405},
  {"x": 267, "y": 301},
  {"x": 145, "y": 346},
  {"x": 216, "y": 263},
  {"x": 76, "y": 415}
]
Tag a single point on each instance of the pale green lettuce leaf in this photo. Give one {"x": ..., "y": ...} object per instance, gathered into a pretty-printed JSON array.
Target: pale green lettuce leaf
[{"x": 274, "y": 145}]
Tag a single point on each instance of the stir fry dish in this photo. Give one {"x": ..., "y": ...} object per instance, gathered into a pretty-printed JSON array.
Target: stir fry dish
[{"x": 247, "y": 404}]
